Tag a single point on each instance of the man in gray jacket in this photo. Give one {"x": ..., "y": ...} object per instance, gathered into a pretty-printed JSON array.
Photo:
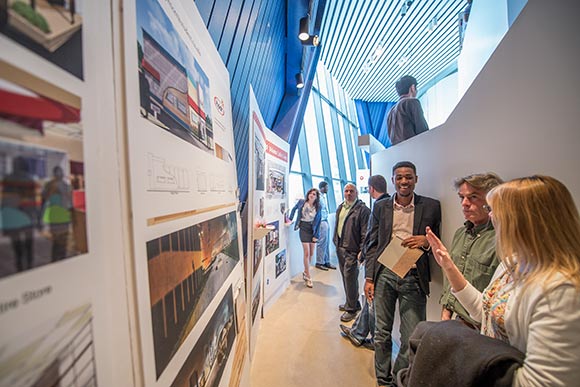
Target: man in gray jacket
[{"x": 349, "y": 235}]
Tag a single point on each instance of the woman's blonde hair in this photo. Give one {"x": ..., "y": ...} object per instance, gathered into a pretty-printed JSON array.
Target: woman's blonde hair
[{"x": 537, "y": 229}]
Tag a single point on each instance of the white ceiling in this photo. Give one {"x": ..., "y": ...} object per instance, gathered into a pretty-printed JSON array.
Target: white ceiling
[{"x": 352, "y": 30}]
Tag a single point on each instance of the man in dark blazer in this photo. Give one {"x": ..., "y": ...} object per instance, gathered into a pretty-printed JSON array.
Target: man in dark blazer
[{"x": 403, "y": 220}]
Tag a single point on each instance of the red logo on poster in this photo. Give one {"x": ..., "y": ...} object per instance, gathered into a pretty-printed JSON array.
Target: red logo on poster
[{"x": 219, "y": 104}]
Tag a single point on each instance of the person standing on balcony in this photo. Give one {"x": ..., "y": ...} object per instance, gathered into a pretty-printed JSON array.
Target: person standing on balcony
[{"x": 406, "y": 118}]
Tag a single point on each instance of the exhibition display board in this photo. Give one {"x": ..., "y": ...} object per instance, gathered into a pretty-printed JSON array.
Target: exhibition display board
[
  {"x": 63, "y": 304},
  {"x": 186, "y": 228},
  {"x": 120, "y": 237},
  {"x": 268, "y": 204}
]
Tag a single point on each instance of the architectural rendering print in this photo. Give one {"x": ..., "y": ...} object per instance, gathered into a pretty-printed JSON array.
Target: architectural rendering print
[
  {"x": 186, "y": 270},
  {"x": 57, "y": 352},
  {"x": 206, "y": 362},
  {"x": 49, "y": 28}
]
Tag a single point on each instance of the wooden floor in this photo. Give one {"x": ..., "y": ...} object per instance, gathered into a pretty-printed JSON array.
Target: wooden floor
[{"x": 299, "y": 341}]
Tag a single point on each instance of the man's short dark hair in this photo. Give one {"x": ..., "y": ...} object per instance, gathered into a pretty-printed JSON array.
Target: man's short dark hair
[
  {"x": 379, "y": 183},
  {"x": 322, "y": 184},
  {"x": 404, "y": 84},
  {"x": 405, "y": 164}
]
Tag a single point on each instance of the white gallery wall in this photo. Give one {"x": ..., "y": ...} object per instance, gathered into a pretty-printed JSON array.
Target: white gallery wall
[{"x": 520, "y": 116}]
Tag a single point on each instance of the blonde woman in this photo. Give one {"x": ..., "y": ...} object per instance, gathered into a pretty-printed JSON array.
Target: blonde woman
[
  {"x": 533, "y": 299},
  {"x": 308, "y": 222}
]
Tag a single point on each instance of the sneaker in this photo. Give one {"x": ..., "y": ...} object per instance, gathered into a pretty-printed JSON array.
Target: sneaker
[
  {"x": 321, "y": 267},
  {"x": 346, "y": 332},
  {"x": 348, "y": 316},
  {"x": 329, "y": 266},
  {"x": 368, "y": 344}
]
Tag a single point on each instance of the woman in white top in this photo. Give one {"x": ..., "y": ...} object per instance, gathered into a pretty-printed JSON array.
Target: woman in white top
[
  {"x": 533, "y": 300},
  {"x": 308, "y": 222}
]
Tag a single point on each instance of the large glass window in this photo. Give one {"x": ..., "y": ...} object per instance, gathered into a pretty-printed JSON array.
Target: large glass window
[
  {"x": 321, "y": 75},
  {"x": 338, "y": 95},
  {"x": 295, "y": 188},
  {"x": 345, "y": 149},
  {"x": 316, "y": 180},
  {"x": 327, "y": 102},
  {"x": 312, "y": 140},
  {"x": 337, "y": 188},
  {"x": 329, "y": 129},
  {"x": 296, "y": 167}
]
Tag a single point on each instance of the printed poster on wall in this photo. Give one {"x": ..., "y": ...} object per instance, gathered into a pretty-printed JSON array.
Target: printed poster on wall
[
  {"x": 268, "y": 202},
  {"x": 57, "y": 192},
  {"x": 257, "y": 226},
  {"x": 276, "y": 275},
  {"x": 183, "y": 186}
]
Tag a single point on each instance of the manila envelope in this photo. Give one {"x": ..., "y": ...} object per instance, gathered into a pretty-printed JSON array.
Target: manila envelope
[{"x": 398, "y": 258}]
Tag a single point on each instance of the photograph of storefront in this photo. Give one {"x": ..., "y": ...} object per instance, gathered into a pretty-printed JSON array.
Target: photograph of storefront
[
  {"x": 276, "y": 184},
  {"x": 273, "y": 238},
  {"x": 173, "y": 88}
]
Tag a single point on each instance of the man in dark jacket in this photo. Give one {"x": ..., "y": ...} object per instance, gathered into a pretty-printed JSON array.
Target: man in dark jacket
[
  {"x": 406, "y": 118},
  {"x": 365, "y": 321},
  {"x": 349, "y": 234},
  {"x": 403, "y": 220}
]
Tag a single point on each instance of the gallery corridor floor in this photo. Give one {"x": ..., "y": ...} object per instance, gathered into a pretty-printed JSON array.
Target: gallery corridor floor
[{"x": 299, "y": 343}]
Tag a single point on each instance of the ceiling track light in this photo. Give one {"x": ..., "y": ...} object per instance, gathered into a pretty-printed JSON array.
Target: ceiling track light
[
  {"x": 299, "y": 81},
  {"x": 303, "y": 33},
  {"x": 311, "y": 41}
]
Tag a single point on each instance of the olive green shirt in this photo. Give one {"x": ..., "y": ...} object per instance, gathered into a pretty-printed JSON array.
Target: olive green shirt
[
  {"x": 346, "y": 206},
  {"x": 475, "y": 257}
]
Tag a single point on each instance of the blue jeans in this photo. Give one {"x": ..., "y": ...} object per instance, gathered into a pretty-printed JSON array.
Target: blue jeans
[
  {"x": 322, "y": 254},
  {"x": 365, "y": 322},
  {"x": 412, "y": 308}
]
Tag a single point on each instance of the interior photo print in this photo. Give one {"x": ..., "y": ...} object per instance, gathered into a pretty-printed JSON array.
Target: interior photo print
[{"x": 42, "y": 180}]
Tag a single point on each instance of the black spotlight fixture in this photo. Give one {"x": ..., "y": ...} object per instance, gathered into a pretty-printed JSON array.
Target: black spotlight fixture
[
  {"x": 311, "y": 41},
  {"x": 299, "y": 81},
  {"x": 303, "y": 31}
]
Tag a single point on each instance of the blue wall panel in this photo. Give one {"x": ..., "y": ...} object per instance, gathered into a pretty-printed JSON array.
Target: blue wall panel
[
  {"x": 244, "y": 28},
  {"x": 204, "y": 8},
  {"x": 250, "y": 36},
  {"x": 217, "y": 20},
  {"x": 231, "y": 27}
]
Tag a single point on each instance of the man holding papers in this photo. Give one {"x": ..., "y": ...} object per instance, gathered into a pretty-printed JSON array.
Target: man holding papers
[{"x": 401, "y": 223}]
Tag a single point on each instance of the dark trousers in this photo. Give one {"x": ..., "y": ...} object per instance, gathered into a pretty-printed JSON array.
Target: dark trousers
[{"x": 348, "y": 265}]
